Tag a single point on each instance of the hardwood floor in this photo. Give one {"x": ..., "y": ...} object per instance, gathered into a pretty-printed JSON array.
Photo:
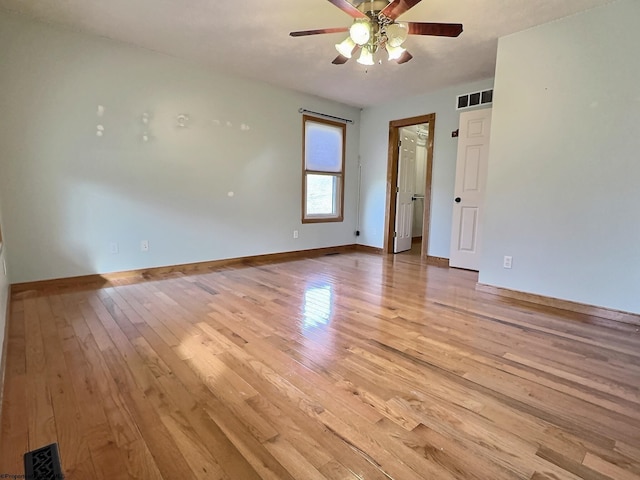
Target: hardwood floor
[{"x": 350, "y": 366}]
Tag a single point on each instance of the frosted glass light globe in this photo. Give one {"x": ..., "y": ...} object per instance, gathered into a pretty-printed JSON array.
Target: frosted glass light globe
[
  {"x": 395, "y": 52},
  {"x": 345, "y": 47},
  {"x": 397, "y": 33},
  {"x": 360, "y": 32},
  {"x": 366, "y": 57}
]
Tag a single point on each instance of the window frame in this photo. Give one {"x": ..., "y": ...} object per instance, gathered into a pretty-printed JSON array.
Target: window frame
[{"x": 339, "y": 195}]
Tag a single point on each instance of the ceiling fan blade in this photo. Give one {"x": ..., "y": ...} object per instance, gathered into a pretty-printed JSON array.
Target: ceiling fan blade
[
  {"x": 319, "y": 31},
  {"x": 397, "y": 8},
  {"x": 347, "y": 8},
  {"x": 406, "y": 56},
  {"x": 340, "y": 59},
  {"x": 435, "y": 29}
]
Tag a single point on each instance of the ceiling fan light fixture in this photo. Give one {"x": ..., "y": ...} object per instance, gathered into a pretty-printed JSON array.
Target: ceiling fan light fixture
[
  {"x": 374, "y": 28},
  {"x": 395, "y": 52},
  {"x": 366, "y": 57},
  {"x": 360, "y": 32},
  {"x": 345, "y": 48},
  {"x": 396, "y": 33}
]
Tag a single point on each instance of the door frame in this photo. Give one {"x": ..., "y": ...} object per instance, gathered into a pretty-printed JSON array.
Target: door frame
[{"x": 392, "y": 180}]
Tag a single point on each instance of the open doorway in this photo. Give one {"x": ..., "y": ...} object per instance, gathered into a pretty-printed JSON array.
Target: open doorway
[{"x": 405, "y": 198}]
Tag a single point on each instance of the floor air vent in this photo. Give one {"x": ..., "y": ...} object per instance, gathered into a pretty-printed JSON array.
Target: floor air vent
[{"x": 43, "y": 464}]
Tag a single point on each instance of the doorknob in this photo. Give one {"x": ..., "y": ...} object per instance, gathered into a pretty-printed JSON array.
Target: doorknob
[{"x": 458, "y": 200}]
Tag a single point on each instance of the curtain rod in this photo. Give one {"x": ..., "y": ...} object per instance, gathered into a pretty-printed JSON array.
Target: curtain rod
[{"x": 304, "y": 110}]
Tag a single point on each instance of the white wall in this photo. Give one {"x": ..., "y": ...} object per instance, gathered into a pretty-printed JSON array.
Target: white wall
[
  {"x": 67, "y": 194},
  {"x": 374, "y": 139},
  {"x": 563, "y": 196}
]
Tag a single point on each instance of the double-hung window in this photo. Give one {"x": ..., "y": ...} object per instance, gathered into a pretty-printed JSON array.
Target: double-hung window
[{"x": 323, "y": 170}]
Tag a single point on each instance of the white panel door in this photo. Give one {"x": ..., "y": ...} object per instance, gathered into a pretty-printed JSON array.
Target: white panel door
[
  {"x": 405, "y": 190},
  {"x": 471, "y": 179}
]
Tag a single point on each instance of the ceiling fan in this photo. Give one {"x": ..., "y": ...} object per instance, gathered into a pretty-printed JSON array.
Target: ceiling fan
[{"x": 375, "y": 27}]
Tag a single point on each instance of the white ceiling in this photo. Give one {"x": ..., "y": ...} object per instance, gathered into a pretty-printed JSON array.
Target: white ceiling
[{"x": 251, "y": 38}]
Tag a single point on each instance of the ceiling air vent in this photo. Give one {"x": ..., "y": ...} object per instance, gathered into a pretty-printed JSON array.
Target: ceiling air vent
[{"x": 474, "y": 99}]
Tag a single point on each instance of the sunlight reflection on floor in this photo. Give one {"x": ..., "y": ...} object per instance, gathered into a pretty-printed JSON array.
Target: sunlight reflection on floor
[{"x": 317, "y": 307}]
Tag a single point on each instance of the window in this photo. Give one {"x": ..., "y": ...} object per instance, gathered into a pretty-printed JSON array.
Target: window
[{"x": 323, "y": 170}]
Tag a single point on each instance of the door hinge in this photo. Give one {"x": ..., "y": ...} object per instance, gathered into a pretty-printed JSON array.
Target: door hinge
[
  {"x": 399, "y": 143},
  {"x": 395, "y": 234},
  {"x": 397, "y": 189}
]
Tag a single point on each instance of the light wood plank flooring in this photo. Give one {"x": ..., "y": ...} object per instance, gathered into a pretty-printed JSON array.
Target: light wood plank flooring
[{"x": 350, "y": 366}]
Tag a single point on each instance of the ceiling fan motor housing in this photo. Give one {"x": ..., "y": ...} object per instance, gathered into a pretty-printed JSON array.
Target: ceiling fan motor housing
[{"x": 372, "y": 8}]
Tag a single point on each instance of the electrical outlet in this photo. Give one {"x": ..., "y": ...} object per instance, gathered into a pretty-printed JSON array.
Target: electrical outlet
[
  {"x": 144, "y": 245},
  {"x": 113, "y": 248},
  {"x": 508, "y": 261},
  {"x": 295, "y": 234}
]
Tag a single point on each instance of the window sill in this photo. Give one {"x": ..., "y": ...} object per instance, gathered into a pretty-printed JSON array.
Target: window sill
[{"x": 322, "y": 219}]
